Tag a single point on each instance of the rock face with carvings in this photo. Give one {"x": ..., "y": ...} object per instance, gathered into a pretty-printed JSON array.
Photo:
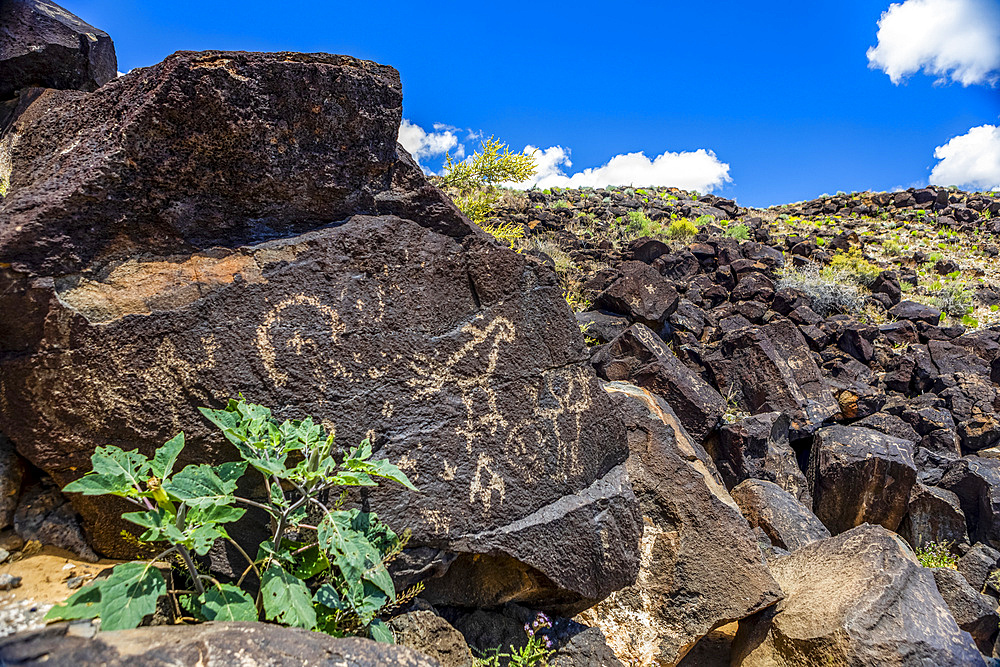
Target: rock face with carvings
[{"x": 241, "y": 234}]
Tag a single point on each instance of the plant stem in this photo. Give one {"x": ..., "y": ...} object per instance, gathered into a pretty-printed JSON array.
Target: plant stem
[
  {"x": 191, "y": 570},
  {"x": 252, "y": 503}
]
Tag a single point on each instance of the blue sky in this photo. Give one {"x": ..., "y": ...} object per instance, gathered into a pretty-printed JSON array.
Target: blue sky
[{"x": 782, "y": 94}]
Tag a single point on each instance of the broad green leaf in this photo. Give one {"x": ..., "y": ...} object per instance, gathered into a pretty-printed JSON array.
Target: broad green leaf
[
  {"x": 352, "y": 478},
  {"x": 85, "y": 603},
  {"x": 227, "y": 603},
  {"x": 380, "y": 577},
  {"x": 148, "y": 519},
  {"x": 203, "y": 537},
  {"x": 98, "y": 485},
  {"x": 309, "y": 563},
  {"x": 166, "y": 456},
  {"x": 348, "y": 547},
  {"x": 381, "y": 632},
  {"x": 115, "y": 462},
  {"x": 129, "y": 594},
  {"x": 287, "y": 599},
  {"x": 200, "y": 486},
  {"x": 230, "y": 473},
  {"x": 328, "y": 596},
  {"x": 383, "y": 468},
  {"x": 215, "y": 514}
]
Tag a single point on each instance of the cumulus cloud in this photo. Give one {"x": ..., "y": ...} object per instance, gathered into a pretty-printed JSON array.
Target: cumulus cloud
[
  {"x": 971, "y": 160},
  {"x": 422, "y": 144},
  {"x": 959, "y": 39},
  {"x": 697, "y": 170}
]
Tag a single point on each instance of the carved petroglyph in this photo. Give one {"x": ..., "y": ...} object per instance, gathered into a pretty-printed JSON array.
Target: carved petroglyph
[
  {"x": 274, "y": 323},
  {"x": 557, "y": 404}
]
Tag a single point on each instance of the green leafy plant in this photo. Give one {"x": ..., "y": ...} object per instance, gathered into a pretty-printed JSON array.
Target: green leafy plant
[
  {"x": 324, "y": 567},
  {"x": 475, "y": 183},
  {"x": 738, "y": 231},
  {"x": 535, "y": 653},
  {"x": 506, "y": 232},
  {"x": 937, "y": 554},
  {"x": 853, "y": 266}
]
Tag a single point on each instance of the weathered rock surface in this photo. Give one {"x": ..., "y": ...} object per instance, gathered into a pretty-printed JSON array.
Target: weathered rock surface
[
  {"x": 757, "y": 448},
  {"x": 43, "y": 45},
  {"x": 428, "y": 633},
  {"x": 786, "y": 522},
  {"x": 974, "y": 612},
  {"x": 641, "y": 357},
  {"x": 701, "y": 566},
  {"x": 11, "y": 476},
  {"x": 858, "y": 476},
  {"x": 230, "y": 644},
  {"x": 976, "y": 482},
  {"x": 933, "y": 515},
  {"x": 769, "y": 369},
  {"x": 641, "y": 293},
  {"x": 859, "y": 598},
  {"x": 459, "y": 356}
]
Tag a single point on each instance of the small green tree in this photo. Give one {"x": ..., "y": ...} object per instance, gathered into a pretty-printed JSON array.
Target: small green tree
[{"x": 474, "y": 184}]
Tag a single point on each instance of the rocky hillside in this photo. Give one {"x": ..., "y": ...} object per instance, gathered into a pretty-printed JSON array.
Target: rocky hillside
[{"x": 690, "y": 432}]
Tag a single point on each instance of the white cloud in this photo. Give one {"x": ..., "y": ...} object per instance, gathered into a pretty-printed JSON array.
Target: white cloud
[
  {"x": 945, "y": 38},
  {"x": 971, "y": 160},
  {"x": 697, "y": 170},
  {"x": 422, "y": 144}
]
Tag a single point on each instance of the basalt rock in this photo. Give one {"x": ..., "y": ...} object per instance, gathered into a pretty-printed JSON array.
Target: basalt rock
[
  {"x": 641, "y": 357},
  {"x": 974, "y": 612},
  {"x": 859, "y": 598},
  {"x": 231, "y": 644},
  {"x": 43, "y": 45},
  {"x": 858, "y": 475},
  {"x": 701, "y": 565},
  {"x": 196, "y": 229},
  {"x": 786, "y": 522},
  {"x": 933, "y": 515}
]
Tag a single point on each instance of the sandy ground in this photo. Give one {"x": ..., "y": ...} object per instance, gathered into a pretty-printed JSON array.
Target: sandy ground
[{"x": 44, "y": 572}]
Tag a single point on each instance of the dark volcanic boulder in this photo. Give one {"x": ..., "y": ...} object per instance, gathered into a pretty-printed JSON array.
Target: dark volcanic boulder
[
  {"x": 230, "y": 644},
  {"x": 786, "y": 522},
  {"x": 757, "y": 448},
  {"x": 43, "y": 45},
  {"x": 701, "y": 565},
  {"x": 933, "y": 515},
  {"x": 144, "y": 290},
  {"x": 974, "y": 612},
  {"x": 641, "y": 293},
  {"x": 858, "y": 475},
  {"x": 976, "y": 482},
  {"x": 859, "y": 598},
  {"x": 641, "y": 357},
  {"x": 770, "y": 369}
]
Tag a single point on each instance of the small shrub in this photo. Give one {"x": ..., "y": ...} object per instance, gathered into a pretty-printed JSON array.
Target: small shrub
[
  {"x": 738, "y": 231},
  {"x": 953, "y": 298},
  {"x": 892, "y": 247},
  {"x": 505, "y": 232},
  {"x": 937, "y": 554},
  {"x": 681, "y": 229},
  {"x": 475, "y": 183},
  {"x": 639, "y": 224},
  {"x": 703, "y": 220},
  {"x": 854, "y": 266},
  {"x": 327, "y": 574},
  {"x": 829, "y": 290}
]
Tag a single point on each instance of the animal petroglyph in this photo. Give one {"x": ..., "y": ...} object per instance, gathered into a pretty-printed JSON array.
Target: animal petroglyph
[{"x": 552, "y": 422}]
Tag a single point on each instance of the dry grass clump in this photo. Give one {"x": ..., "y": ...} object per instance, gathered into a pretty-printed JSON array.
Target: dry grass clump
[{"x": 830, "y": 290}]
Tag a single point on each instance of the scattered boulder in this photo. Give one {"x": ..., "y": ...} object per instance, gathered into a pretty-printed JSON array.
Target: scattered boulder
[
  {"x": 701, "y": 566},
  {"x": 231, "y": 644},
  {"x": 859, "y": 598},
  {"x": 976, "y": 482},
  {"x": 974, "y": 612},
  {"x": 770, "y": 368},
  {"x": 858, "y": 476},
  {"x": 586, "y": 649},
  {"x": 641, "y": 357},
  {"x": 756, "y": 447},
  {"x": 431, "y": 635},
  {"x": 978, "y": 564},
  {"x": 786, "y": 522},
  {"x": 641, "y": 293},
  {"x": 933, "y": 515},
  {"x": 43, "y": 45}
]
